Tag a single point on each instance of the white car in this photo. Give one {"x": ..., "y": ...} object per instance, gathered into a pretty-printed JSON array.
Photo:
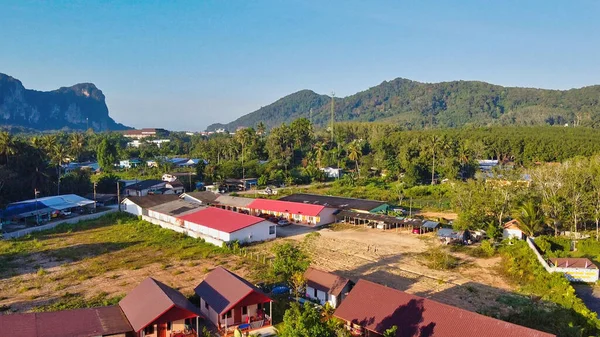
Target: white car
[{"x": 66, "y": 213}]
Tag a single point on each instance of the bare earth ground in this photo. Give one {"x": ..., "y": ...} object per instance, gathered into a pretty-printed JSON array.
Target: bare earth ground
[
  {"x": 391, "y": 258},
  {"x": 25, "y": 288}
]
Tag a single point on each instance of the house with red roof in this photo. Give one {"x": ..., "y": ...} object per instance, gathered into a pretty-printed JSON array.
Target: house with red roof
[
  {"x": 231, "y": 302},
  {"x": 216, "y": 225},
  {"x": 370, "y": 309},
  {"x": 152, "y": 309},
  {"x": 511, "y": 230},
  {"x": 296, "y": 212},
  {"x": 326, "y": 287}
]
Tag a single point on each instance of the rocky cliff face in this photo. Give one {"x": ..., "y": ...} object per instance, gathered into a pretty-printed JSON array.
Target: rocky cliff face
[{"x": 74, "y": 108}]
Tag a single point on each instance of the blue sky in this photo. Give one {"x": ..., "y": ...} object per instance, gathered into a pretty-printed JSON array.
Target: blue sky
[{"x": 185, "y": 64}]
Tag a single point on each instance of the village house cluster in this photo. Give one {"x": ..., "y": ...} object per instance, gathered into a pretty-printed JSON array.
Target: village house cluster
[{"x": 227, "y": 302}]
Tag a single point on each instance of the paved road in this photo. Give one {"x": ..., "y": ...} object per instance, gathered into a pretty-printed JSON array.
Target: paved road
[{"x": 590, "y": 295}]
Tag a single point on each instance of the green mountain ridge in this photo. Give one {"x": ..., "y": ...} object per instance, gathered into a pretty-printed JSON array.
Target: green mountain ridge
[
  {"x": 67, "y": 108},
  {"x": 416, "y": 105}
]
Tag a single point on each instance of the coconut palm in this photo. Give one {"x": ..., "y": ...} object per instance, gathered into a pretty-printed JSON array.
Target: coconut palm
[
  {"x": 76, "y": 143},
  {"x": 8, "y": 146},
  {"x": 354, "y": 154},
  {"x": 58, "y": 156},
  {"x": 530, "y": 219}
]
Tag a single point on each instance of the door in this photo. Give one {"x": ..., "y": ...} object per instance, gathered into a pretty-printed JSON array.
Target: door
[
  {"x": 162, "y": 330},
  {"x": 237, "y": 315}
]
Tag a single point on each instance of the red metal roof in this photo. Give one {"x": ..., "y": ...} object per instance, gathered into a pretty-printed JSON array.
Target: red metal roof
[
  {"x": 378, "y": 308},
  {"x": 286, "y": 207},
  {"x": 79, "y": 322},
  {"x": 222, "y": 290},
  {"x": 221, "y": 220},
  {"x": 324, "y": 281},
  {"x": 572, "y": 262},
  {"x": 151, "y": 300}
]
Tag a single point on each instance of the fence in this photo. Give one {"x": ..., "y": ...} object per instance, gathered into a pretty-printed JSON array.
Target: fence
[
  {"x": 255, "y": 256},
  {"x": 26, "y": 231}
]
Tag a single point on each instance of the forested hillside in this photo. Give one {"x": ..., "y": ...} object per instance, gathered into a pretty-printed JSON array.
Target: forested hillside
[{"x": 415, "y": 105}]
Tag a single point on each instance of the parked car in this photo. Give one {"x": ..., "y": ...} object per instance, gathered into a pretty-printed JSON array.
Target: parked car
[
  {"x": 66, "y": 213},
  {"x": 283, "y": 223}
]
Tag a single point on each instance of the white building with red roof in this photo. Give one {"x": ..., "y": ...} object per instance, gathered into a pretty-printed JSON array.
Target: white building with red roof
[
  {"x": 217, "y": 226},
  {"x": 296, "y": 212}
]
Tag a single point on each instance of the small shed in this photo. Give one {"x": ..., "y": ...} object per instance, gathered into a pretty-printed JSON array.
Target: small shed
[{"x": 511, "y": 230}]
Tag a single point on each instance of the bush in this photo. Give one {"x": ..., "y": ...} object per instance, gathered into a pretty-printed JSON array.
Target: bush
[
  {"x": 520, "y": 265},
  {"x": 486, "y": 249},
  {"x": 437, "y": 258}
]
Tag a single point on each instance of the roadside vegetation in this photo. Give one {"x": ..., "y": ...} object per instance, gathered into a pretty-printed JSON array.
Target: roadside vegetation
[{"x": 553, "y": 305}]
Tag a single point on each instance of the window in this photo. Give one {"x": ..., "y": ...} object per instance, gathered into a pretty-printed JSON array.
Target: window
[
  {"x": 227, "y": 314},
  {"x": 169, "y": 326},
  {"x": 271, "y": 230},
  {"x": 315, "y": 293},
  {"x": 149, "y": 330},
  {"x": 311, "y": 219},
  {"x": 259, "y": 306},
  {"x": 205, "y": 305},
  {"x": 244, "y": 310}
]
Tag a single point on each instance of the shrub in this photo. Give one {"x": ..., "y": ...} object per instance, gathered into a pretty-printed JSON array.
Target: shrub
[{"x": 437, "y": 258}]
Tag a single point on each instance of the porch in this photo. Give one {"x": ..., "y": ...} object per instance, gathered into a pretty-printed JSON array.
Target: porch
[{"x": 247, "y": 318}]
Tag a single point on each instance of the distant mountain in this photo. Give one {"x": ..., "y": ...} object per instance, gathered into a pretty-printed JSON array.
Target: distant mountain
[
  {"x": 414, "y": 104},
  {"x": 73, "y": 108}
]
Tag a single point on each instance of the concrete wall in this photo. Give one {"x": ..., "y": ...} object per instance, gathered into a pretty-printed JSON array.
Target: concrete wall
[
  {"x": 53, "y": 224},
  {"x": 209, "y": 313},
  {"x": 572, "y": 274},
  {"x": 508, "y": 233},
  {"x": 256, "y": 232},
  {"x": 132, "y": 208},
  {"x": 326, "y": 216}
]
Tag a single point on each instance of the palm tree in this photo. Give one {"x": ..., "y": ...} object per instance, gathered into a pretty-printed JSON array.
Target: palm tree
[
  {"x": 530, "y": 219},
  {"x": 57, "y": 157},
  {"x": 319, "y": 149},
  {"x": 354, "y": 153},
  {"x": 261, "y": 129},
  {"x": 8, "y": 146},
  {"x": 76, "y": 143}
]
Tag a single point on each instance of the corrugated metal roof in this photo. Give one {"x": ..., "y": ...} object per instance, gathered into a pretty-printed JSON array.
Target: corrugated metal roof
[
  {"x": 572, "y": 262},
  {"x": 150, "y": 300},
  {"x": 286, "y": 207},
  {"x": 176, "y": 208},
  {"x": 222, "y": 290},
  {"x": 234, "y": 201},
  {"x": 152, "y": 200},
  {"x": 333, "y": 201},
  {"x": 378, "y": 308},
  {"x": 145, "y": 184},
  {"x": 322, "y": 280},
  {"x": 79, "y": 322},
  {"x": 204, "y": 196},
  {"x": 221, "y": 220}
]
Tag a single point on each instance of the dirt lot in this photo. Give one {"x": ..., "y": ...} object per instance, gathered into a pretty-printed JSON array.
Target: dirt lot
[
  {"x": 102, "y": 260},
  {"x": 109, "y": 259},
  {"x": 393, "y": 258}
]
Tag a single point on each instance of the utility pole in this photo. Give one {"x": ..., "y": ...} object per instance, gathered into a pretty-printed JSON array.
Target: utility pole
[
  {"x": 332, "y": 113},
  {"x": 95, "y": 184},
  {"x": 119, "y": 195},
  {"x": 37, "y": 215}
]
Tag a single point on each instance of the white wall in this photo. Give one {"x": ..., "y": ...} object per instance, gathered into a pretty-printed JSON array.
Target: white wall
[
  {"x": 512, "y": 233},
  {"x": 132, "y": 208},
  {"x": 326, "y": 216},
  {"x": 209, "y": 313},
  {"x": 256, "y": 232},
  {"x": 321, "y": 295}
]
